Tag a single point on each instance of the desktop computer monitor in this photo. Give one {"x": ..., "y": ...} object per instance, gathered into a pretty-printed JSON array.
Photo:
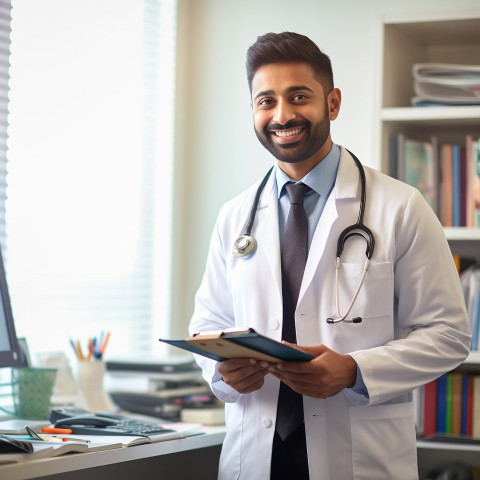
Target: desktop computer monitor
[{"x": 10, "y": 355}]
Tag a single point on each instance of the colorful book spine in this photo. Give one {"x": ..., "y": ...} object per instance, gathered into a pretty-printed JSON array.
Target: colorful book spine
[
  {"x": 456, "y": 181},
  {"x": 448, "y": 175},
  {"x": 442, "y": 404},
  {"x": 457, "y": 396},
  {"x": 451, "y": 405},
  {"x": 475, "y": 166},
  {"x": 446, "y": 215},
  {"x": 430, "y": 409},
  {"x": 476, "y": 407}
]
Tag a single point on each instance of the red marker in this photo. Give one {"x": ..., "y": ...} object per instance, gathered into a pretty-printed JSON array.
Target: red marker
[{"x": 55, "y": 430}]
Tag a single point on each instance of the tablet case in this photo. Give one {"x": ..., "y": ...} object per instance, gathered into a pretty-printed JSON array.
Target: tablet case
[{"x": 222, "y": 345}]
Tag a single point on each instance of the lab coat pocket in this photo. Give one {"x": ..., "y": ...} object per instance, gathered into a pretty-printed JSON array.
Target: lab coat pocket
[
  {"x": 375, "y": 298},
  {"x": 383, "y": 442}
]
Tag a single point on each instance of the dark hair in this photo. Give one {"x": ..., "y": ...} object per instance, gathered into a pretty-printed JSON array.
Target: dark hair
[{"x": 289, "y": 47}]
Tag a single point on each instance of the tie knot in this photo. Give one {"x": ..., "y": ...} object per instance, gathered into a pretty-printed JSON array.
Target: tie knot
[{"x": 297, "y": 192}]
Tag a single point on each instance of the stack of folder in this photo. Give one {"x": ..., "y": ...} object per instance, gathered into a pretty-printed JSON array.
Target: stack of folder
[{"x": 446, "y": 84}]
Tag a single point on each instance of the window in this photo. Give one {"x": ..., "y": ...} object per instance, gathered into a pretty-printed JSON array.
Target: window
[{"x": 89, "y": 171}]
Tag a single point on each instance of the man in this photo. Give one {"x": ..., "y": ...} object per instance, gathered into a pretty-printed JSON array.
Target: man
[{"x": 410, "y": 322}]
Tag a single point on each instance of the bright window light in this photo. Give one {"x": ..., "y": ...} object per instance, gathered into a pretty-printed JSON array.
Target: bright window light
[{"x": 90, "y": 138}]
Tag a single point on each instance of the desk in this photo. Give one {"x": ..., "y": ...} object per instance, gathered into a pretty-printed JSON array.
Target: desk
[{"x": 184, "y": 459}]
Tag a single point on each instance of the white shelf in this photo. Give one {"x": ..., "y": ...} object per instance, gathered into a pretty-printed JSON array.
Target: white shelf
[
  {"x": 466, "y": 114},
  {"x": 462, "y": 233},
  {"x": 464, "y": 447},
  {"x": 473, "y": 358}
]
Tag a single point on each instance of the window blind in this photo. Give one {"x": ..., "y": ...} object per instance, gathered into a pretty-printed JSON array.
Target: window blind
[
  {"x": 5, "y": 9},
  {"x": 90, "y": 161}
]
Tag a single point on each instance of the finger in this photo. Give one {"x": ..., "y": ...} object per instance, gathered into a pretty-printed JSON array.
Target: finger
[
  {"x": 315, "y": 350},
  {"x": 246, "y": 383},
  {"x": 235, "y": 364},
  {"x": 297, "y": 368}
]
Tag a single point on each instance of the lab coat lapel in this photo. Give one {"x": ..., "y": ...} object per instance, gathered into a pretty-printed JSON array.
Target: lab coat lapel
[
  {"x": 339, "y": 212},
  {"x": 268, "y": 242}
]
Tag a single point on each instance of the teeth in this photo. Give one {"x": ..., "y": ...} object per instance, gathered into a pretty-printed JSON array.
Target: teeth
[{"x": 288, "y": 133}]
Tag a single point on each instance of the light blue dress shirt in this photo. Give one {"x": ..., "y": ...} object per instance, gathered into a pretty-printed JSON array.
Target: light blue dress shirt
[{"x": 321, "y": 180}]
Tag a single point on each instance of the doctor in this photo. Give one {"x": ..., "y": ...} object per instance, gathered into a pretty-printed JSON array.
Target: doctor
[{"x": 357, "y": 391}]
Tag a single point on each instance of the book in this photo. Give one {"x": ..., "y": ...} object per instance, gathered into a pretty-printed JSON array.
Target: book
[
  {"x": 469, "y": 183},
  {"x": 430, "y": 408},
  {"x": 448, "y": 403},
  {"x": 475, "y": 166},
  {"x": 441, "y": 404},
  {"x": 166, "y": 408},
  {"x": 467, "y": 407},
  {"x": 476, "y": 407},
  {"x": 420, "y": 169},
  {"x": 131, "y": 440},
  {"x": 446, "y": 215},
  {"x": 237, "y": 343},
  {"x": 45, "y": 449},
  {"x": 457, "y": 185},
  {"x": 457, "y": 395}
]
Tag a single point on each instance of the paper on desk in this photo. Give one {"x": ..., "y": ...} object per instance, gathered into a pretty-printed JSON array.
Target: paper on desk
[{"x": 129, "y": 440}]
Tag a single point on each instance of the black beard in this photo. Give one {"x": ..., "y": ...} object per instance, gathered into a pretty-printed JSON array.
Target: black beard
[{"x": 296, "y": 152}]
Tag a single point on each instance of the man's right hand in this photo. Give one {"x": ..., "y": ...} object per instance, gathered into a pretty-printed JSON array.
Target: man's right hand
[{"x": 245, "y": 375}]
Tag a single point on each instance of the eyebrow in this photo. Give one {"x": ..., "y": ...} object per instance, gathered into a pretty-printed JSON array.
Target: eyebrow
[{"x": 294, "y": 88}]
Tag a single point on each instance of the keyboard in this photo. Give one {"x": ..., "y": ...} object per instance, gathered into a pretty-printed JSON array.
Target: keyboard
[{"x": 81, "y": 421}]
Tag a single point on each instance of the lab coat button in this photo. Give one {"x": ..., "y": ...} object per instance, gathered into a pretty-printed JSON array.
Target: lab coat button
[
  {"x": 275, "y": 324},
  {"x": 266, "y": 422}
]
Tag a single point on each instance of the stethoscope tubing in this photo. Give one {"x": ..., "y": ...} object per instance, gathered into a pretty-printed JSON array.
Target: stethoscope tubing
[{"x": 246, "y": 243}]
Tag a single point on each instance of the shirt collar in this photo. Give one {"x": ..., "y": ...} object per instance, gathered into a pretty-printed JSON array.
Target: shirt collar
[{"x": 320, "y": 179}]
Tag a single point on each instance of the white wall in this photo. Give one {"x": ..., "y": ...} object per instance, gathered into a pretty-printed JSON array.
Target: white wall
[{"x": 217, "y": 153}]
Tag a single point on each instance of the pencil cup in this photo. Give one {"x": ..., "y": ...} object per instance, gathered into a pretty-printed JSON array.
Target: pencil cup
[
  {"x": 90, "y": 379},
  {"x": 32, "y": 391}
]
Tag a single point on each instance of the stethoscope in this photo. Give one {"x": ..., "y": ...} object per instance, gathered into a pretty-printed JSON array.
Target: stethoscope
[{"x": 246, "y": 243}]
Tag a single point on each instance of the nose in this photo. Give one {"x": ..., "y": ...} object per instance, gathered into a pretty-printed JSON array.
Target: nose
[{"x": 283, "y": 112}]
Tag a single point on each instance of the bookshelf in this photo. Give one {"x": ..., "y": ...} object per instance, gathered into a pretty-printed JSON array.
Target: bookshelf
[{"x": 452, "y": 37}]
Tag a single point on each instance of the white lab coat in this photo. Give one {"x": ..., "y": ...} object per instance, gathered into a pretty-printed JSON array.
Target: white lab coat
[{"x": 414, "y": 326}]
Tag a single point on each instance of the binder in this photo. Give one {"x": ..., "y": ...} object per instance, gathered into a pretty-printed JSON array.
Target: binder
[{"x": 221, "y": 345}]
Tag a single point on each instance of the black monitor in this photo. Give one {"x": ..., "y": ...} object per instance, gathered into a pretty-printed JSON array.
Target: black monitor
[{"x": 10, "y": 355}]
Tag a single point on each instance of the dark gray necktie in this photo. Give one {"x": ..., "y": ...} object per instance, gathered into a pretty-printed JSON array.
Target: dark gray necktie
[{"x": 294, "y": 257}]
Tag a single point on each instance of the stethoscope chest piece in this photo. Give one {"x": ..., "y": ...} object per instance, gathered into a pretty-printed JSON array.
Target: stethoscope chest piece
[{"x": 244, "y": 246}]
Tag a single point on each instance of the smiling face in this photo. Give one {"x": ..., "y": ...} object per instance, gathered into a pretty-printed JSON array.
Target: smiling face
[{"x": 292, "y": 115}]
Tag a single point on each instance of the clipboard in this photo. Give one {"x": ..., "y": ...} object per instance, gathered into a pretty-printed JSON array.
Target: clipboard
[{"x": 221, "y": 345}]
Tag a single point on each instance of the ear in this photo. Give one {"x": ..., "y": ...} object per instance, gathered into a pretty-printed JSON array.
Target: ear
[{"x": 334, "y": 100}]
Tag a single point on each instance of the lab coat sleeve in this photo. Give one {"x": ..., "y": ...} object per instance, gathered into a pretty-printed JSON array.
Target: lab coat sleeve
[
  {"x": 214, "y": 310},
  {"x": 429, "y": 309}
]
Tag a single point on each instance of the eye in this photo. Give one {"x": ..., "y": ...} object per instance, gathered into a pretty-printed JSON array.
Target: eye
[
  {"x": 299, "y": 97},
  {"x": 265, "y": 102}
]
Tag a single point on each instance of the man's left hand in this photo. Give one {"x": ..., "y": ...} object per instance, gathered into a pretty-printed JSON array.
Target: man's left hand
[{"x": 324, "y": 376}]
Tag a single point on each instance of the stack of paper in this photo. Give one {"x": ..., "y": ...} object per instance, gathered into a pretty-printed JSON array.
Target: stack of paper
[
  {"x": 446, "y": 84},
  {"x": 160, "y": 388}
]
